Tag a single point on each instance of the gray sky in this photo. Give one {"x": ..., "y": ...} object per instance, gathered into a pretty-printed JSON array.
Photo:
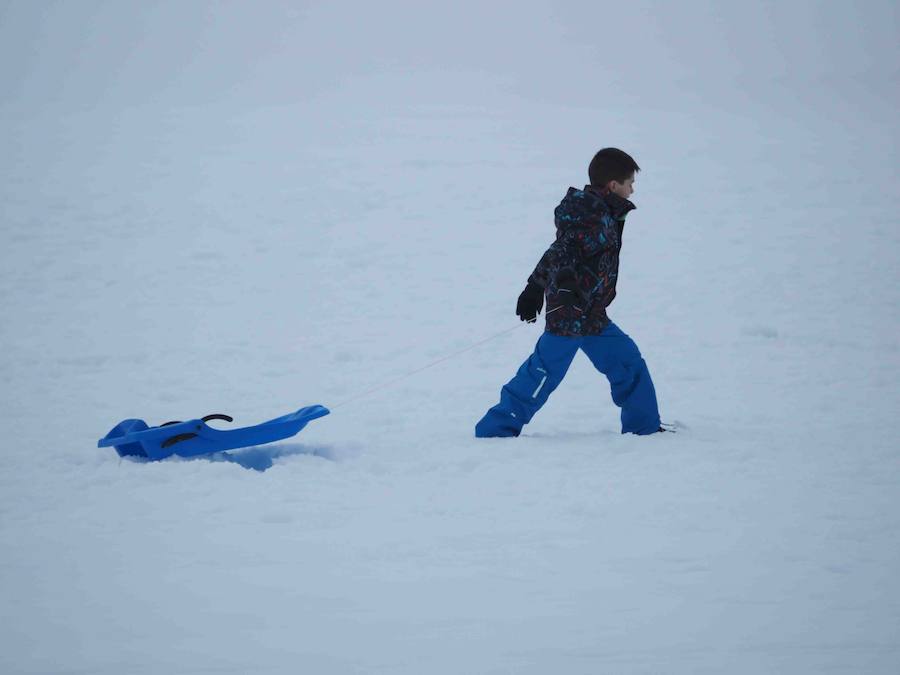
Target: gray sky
[{"x": 133, "y": 53}]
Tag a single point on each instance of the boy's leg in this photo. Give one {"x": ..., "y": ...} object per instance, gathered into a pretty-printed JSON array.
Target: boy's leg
[
  {"x": 616, "y": 355},
  {"x": 524, "y": 395}
]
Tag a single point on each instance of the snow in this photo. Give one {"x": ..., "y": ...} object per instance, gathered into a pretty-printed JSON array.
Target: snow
[{"x": 213, "y": 208}]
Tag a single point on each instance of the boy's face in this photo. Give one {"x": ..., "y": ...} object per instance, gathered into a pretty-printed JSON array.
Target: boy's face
[{"x": 624, "y": 189}]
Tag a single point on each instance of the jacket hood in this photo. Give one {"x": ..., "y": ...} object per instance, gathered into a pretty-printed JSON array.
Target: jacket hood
[{"x": 583, "y": 208}]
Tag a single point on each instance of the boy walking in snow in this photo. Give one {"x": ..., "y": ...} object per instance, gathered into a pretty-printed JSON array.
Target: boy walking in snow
[{"x": 578, "y": 275}]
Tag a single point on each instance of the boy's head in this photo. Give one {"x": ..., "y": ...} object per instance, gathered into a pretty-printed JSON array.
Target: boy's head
[{"x": 613, "y": 170}]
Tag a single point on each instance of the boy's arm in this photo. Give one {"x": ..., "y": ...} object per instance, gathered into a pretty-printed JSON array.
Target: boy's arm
[{"x": 558, "y": 256}]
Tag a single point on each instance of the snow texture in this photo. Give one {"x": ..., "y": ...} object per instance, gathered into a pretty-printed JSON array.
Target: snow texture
[{"x": 251, "y": 207}]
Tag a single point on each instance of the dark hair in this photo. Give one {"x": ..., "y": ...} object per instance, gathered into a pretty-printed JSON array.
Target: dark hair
[{"x": 611, "y": 164}]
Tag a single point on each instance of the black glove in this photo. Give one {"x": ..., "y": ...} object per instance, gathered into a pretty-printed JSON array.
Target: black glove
[
  {"x": 530, "y": 303},
  {"x": 567, "y": 288}
]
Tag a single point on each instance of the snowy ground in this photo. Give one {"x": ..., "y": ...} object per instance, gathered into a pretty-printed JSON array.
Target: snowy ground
[{"x": 218, "y": 242}]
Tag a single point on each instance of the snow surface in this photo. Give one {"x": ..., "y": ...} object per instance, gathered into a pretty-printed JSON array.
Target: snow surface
[{"x": 252, "y": 207}]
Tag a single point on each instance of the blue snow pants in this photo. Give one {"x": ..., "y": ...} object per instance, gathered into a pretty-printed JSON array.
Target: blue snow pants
[{"x": 612, "y": 352}]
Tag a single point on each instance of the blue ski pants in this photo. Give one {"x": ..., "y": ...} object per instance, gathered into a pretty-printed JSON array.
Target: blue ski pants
[{"x": 612, "y": 352}]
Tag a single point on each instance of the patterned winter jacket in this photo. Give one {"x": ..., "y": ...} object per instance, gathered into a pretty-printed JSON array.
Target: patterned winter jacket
[{"x": 589, "y": 225}]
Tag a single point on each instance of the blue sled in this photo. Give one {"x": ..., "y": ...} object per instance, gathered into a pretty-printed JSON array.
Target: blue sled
[{"x": 188, "y": 439}]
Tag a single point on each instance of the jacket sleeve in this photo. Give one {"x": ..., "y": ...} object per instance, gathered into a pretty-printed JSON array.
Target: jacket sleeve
[
  {"x": 571, "y": 250},
  {"x": 562, "y": 253}
]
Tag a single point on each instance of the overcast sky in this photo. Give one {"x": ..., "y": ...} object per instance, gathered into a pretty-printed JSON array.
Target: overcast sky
[{"x": 191, "y": 52}]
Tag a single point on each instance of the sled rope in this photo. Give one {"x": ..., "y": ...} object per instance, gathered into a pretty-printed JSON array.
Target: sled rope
[{"x": 392, "y": 382}]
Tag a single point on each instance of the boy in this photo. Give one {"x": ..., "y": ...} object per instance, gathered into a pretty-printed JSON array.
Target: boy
[{"x": 578, "y": 274}]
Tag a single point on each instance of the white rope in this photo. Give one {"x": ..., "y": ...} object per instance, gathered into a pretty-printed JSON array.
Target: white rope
[{"x": 394, "y": 381}]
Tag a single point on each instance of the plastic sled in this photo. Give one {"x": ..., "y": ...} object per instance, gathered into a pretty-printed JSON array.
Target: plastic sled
[{"x": 134, "y": 438}]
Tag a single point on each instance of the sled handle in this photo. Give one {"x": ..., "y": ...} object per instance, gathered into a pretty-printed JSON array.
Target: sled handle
[{"x": 217, "y": 416}]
